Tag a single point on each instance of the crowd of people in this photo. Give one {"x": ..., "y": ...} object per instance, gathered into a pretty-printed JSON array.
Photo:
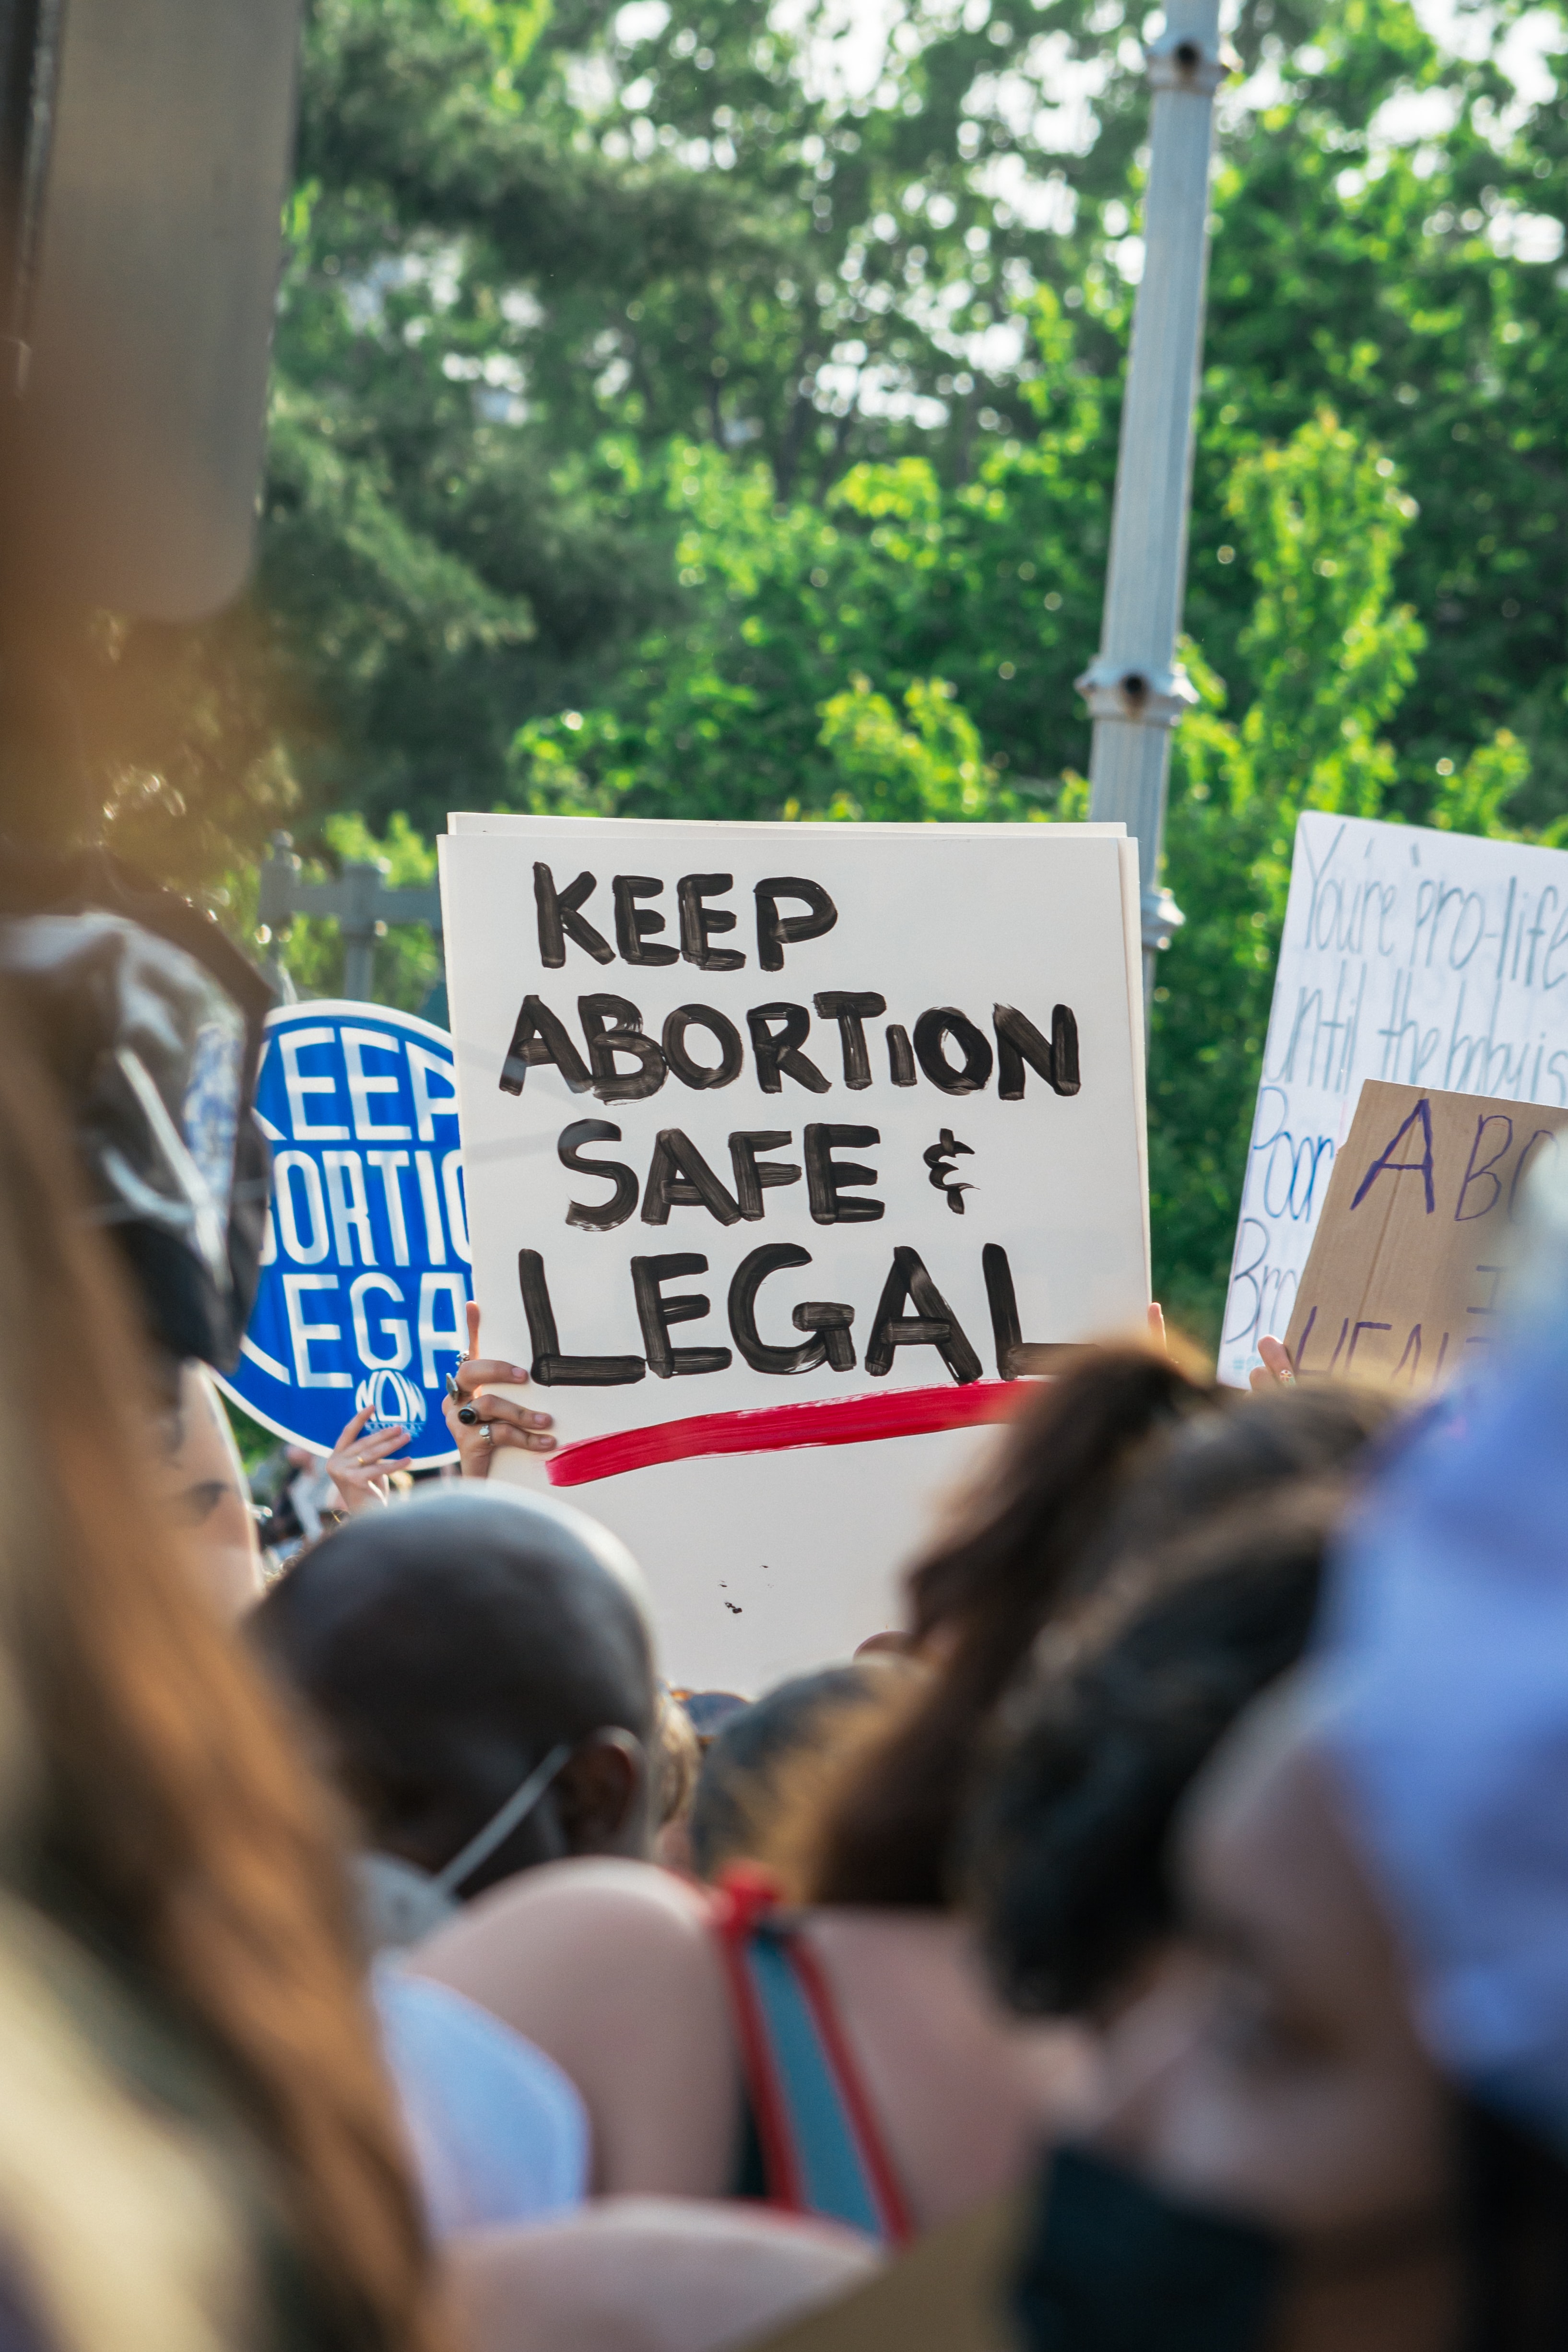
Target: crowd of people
[{"x": 1160, "y": 1946}]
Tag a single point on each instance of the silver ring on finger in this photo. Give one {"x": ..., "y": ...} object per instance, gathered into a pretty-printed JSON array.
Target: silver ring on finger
[{"x": 485, "y": 1432}]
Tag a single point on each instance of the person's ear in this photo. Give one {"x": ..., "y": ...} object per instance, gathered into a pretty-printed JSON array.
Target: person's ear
[{"x": 600, "y": 1793}]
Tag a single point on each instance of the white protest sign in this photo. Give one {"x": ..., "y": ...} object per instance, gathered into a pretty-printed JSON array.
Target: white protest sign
[
  {"x": 784, "y": 1145},
  {"x": 1420, "y": 958}
]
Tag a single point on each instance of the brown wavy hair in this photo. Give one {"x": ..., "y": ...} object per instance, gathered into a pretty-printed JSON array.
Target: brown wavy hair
[
  {"x": 1101, "y": 1470},
  {"x": 1012, "y": 1560},
  {"x": 152, "y": 1766}
]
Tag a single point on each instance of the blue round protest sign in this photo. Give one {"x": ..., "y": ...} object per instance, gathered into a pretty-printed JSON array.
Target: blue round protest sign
[{"x": 364, "y": 1274}]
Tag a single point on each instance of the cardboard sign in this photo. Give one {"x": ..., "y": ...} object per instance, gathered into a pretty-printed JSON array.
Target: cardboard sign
[
  {"x": 1415, "y": 957},
  {"x": 364, "y": 1272},
  {"x": 788, "y": 1149},
  {"x": 1415, "y": 1235}
]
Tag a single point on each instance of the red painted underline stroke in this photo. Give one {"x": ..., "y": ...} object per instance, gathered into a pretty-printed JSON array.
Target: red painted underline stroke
[{"x": 775, "y": 1429}]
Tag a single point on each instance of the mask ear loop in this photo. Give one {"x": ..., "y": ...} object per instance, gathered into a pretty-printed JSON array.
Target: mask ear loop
[{"x": 501, "y": 1825}]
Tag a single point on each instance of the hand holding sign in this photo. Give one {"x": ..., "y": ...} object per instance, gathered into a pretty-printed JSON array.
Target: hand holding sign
[
  {"x": 500, "y": 1422},
  {"x": 363, "y": 1460},
  {"x": 1276, "y": 1370}
]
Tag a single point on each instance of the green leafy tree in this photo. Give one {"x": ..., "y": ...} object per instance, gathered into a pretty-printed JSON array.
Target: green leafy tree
[
  {"x": 991, "y": 584},
  {"x": 1473, "y": 799},
  {"x": 927, "y": 763},
  {"x": 1406, "y": 279}
]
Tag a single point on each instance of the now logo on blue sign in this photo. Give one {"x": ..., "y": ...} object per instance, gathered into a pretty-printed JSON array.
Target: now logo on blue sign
[{"x": 364, "y": 1274}]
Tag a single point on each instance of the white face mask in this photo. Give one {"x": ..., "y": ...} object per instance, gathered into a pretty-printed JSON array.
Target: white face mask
[{"x": 400, "y": 1904}]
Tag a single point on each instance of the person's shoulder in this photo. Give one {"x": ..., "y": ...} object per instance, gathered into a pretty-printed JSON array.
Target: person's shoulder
[
  {"x": 612, "y": 1967},
  {"x": 605, "y": 1916},
  {"x": 601, "y": 1890},
  {"x": 605, "y": 1881}
]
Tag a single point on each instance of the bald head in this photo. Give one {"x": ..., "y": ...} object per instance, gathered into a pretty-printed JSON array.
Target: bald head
[{"x": 447, "y": 1646}]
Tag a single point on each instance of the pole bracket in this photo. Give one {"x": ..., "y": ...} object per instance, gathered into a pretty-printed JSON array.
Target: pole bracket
[
  {"x": 1178, "y": 61},
  {"x": 1146, "y": 697}
]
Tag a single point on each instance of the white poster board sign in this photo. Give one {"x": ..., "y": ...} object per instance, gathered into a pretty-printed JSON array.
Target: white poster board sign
[
  {"x": 784, "y": 1146},
  {"x": 1422, "y": 958}
]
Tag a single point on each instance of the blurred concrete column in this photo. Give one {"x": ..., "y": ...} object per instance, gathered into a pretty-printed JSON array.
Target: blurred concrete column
[{"x": 1134, "y": 689}]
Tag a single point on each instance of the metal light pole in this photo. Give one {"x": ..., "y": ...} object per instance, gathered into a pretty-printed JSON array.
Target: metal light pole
[{"x": 1135, "y": 689}]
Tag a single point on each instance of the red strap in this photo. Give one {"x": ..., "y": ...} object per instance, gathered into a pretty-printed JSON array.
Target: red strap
[{"x": 745, "y": 1895}]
